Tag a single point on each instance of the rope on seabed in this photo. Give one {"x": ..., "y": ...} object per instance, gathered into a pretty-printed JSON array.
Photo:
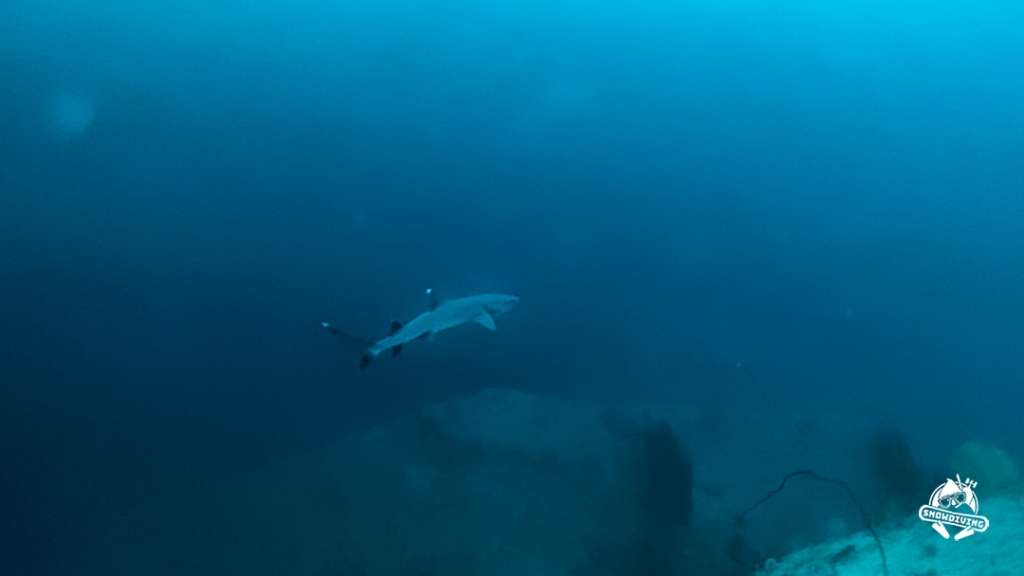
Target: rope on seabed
[{"x": 814, "y": 476}]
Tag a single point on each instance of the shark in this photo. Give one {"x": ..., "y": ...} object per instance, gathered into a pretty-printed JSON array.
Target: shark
[{"x": 442, "y": 315}]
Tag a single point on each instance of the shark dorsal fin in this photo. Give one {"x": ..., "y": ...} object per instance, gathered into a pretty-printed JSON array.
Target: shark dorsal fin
[
  {"x": 395, "y": 326},
  {"x": 435, "y": 300}
]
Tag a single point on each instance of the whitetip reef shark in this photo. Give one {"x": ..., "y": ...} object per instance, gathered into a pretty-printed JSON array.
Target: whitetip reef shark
[{"x": 443, "y": 314}]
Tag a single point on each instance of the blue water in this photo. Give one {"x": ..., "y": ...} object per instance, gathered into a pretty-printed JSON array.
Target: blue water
[{"x": 743, "y": 204}]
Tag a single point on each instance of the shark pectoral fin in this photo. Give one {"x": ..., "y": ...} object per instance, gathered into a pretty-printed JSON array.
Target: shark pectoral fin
[
  {"x": 396, "y": 350},
  {"x": 485, "y": 320}
]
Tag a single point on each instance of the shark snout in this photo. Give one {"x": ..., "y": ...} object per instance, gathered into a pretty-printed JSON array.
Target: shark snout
[{"x": 502, "y": 304}]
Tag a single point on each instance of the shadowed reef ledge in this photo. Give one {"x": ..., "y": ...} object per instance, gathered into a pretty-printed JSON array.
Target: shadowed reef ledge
[{"x": 503, "y": 483}]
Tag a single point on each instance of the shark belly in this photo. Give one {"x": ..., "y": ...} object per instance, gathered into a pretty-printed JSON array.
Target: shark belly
[{"x": 429, "y": 323}]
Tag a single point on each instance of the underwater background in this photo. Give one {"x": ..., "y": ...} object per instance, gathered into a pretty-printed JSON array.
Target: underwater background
[{"x": 809, "y": 207}]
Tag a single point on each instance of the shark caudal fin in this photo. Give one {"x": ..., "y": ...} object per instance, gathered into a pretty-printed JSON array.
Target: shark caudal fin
[{"x": 364, "y": 347}]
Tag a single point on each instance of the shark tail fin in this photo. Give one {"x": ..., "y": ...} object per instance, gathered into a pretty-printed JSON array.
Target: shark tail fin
[{"x": 365, "y": 347}]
